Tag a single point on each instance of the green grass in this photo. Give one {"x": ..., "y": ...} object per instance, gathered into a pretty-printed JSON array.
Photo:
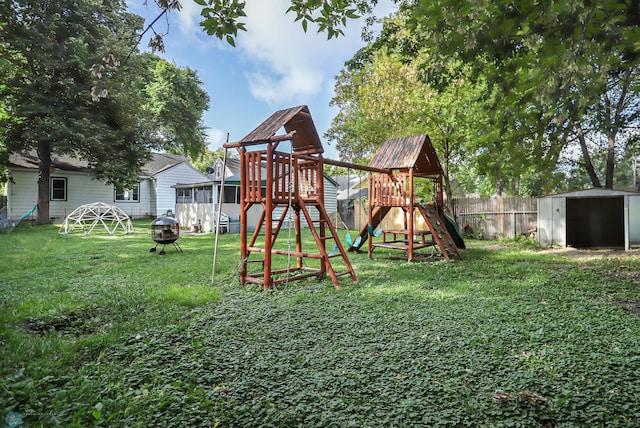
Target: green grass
[{"x": 98, "y": 331}]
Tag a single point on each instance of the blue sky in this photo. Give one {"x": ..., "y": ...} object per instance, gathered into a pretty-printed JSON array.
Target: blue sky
[{"x": 274, "y": 65}]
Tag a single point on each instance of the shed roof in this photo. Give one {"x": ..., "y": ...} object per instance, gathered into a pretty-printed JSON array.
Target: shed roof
[
  {"x": 593, "y": 193},
  {"x": 296, "y": 119},
  {"x": 408, "y": 152}
]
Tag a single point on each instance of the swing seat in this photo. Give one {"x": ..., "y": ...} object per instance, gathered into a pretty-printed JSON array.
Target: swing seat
[
  {"x": 352, "y": 243},
  {"x": 334, "y": 250},
  {"x": 373, "y": 233}
]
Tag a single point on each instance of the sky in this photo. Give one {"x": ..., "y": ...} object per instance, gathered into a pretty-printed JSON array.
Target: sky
[{"x": 275, "y": 65}]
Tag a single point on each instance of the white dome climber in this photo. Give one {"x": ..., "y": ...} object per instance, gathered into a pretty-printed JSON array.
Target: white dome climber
[{"x": 86, "y": 217}]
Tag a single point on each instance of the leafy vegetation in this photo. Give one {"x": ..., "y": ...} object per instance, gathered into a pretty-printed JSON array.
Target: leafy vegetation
[
  {"x": 98, "y": 331},
  {"x": 75, "y": 84},
  {"x": 531, "y": 95}
]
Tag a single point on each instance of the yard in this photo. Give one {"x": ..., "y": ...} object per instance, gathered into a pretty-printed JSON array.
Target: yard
[{"x": 98, "y": 331}]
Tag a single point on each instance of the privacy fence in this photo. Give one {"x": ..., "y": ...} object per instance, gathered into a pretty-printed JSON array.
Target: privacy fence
[
  {"x": 497, "y": 218},
  {"x": 477, "y": 218}
]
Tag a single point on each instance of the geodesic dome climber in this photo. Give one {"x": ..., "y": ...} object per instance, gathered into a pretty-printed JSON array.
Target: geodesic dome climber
[{"x": 86, "y": 217}]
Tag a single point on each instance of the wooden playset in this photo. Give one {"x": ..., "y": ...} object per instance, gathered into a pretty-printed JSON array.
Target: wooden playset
[{"x": 289, "y": 187}]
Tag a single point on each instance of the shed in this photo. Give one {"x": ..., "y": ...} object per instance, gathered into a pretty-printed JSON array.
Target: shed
[{"x": 593, "y": 218}]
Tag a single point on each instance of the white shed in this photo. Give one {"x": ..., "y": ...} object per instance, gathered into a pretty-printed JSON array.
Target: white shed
[{"x": 593, "y": 218}]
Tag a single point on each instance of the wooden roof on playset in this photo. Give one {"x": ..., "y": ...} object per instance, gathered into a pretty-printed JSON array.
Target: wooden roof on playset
[
  {"x": 405, "y": 153},
  {"x": 297, "y": 122}
]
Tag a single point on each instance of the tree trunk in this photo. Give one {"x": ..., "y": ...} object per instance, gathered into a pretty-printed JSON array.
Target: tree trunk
[
  {"x": 611, "y": 160},
  {"x": 446, "y": 181},
  {"x": 44, "y": 173},
  {"x": 585, "y": 155}
]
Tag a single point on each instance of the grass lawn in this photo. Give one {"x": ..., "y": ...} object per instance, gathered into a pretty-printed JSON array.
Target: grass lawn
[{"x": 98, "y": 331}]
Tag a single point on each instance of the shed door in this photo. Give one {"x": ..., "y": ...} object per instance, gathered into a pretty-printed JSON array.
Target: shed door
[{"x": 595, "y": 222}]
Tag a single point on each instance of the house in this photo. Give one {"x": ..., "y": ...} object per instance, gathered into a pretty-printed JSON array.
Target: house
[
  {"x": 592, "y": 218},
  {"x": 195, "y": 204},
  {"x": 231, "y": 167},
  {"x": 72, "y": 185},
  {"x": 353, "y": 191}
]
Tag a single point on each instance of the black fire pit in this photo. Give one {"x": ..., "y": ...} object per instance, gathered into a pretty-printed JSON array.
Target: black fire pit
[{"x": 165, "y": 230}]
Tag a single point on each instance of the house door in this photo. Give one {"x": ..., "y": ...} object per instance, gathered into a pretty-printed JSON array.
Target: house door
[{"x": 595, "y": 222}]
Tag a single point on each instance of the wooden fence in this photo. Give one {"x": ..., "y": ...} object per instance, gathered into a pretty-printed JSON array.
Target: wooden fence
[
  {"x": 476, "y": 218},
  {"x": 497, "y": 218}
]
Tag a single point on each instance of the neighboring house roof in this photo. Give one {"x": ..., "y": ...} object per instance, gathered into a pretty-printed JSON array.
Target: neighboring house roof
[
  {"x": 345, "y": 182},
  {"x": 351, "y": 186},
  {"x": 232, "y": 164},
  {"x": 30, "y": 160},
  {"x": 408, "y": 152},
  {"x": 159, "y": 162},
  {"x": 296, "y": 119}
]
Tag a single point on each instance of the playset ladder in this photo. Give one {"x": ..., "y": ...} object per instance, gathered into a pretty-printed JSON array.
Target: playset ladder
[{"x": 324, "y": 223}]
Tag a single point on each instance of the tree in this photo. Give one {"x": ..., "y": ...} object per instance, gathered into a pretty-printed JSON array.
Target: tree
[
  {"x": 572, "y": 65},
  {"x": 382, "y": 97},
  {"x": 177, "y": 100},
  {"x": 51, "y": 48},
  {"x": 208, "y": 158}
]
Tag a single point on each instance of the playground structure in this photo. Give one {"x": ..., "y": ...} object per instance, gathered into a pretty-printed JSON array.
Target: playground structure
[
  {"x": 295, "y": 186},
  {"x": 408, "y": 158},
  {"x": 86, "y": 217}
]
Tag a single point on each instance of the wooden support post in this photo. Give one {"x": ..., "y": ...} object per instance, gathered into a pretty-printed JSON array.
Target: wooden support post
[
  {"x": 370, "y": 211},
  {"x": 244, "y": 253},
  {"x": 318, "y": 175},
  {"x": 268, "y": 218},
  {"x": 411, "y": 216}
]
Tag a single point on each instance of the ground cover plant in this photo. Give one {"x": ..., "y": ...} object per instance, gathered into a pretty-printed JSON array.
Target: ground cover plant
[{"x": 98, "y": 331}]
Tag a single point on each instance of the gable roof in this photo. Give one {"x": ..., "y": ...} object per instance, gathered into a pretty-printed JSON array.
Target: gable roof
[
  {"x": 408, "y": 152},
  {"x": 159, "y": 162},
  {"x": 296, "y": 119},
  {"x": 232, "y": 164},
  {"x": 30, "y": 160}
]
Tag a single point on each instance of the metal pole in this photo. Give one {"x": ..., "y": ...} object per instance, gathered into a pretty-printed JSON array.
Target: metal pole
[{"x": 220, "y": 194}]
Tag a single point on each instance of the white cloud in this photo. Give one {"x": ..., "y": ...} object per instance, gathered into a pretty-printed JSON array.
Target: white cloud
[
  {"x": 215, "y": 138},
  {"x": 189, "y": 18},
  {"x": 288, "y": 64}
]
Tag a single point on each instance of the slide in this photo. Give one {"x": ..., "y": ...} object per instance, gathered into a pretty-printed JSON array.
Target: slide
[{"x": 452, "y": 228}]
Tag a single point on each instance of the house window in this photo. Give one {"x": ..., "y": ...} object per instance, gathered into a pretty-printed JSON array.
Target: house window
[
  {"x": 127, "y": 195},
  {"x": 184, "y": 196},
  {"x": 58, "y": 189},
  {"x": 231, "y": 195},
  {"x": 203, "y": 195}
]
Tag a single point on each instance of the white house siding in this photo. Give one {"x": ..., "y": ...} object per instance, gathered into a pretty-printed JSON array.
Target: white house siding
[
  {"x": 81, "y": 189},
  {"x": 166, "y": 194}
]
